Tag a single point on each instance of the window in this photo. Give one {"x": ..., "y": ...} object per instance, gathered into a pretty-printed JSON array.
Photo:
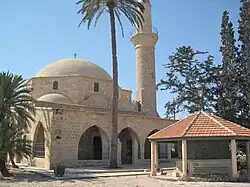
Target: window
[
  {"x": 39, "y": 149},
  {"x": 96, "y": 87},
  {"x": 55, "y": 85},
  {"x": 139, "y": 106}
]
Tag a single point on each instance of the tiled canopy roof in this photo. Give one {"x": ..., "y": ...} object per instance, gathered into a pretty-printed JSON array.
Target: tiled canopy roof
[{"x": 201, "y": 124}]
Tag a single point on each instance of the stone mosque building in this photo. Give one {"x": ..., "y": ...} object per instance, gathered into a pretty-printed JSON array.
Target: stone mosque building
[{"x": 73, "y": 103}]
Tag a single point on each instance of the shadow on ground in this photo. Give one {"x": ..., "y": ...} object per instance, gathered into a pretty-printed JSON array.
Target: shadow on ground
[{"x": 20, "y": 175}]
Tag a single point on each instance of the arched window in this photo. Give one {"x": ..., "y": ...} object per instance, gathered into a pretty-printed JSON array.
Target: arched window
[
  {"x": 55, "y": 85},
  {"x": 96, "y": 87},
  {"x": 39, "y": 149}
]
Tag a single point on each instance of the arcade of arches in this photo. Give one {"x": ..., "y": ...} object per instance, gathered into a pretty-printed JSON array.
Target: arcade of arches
[{"x": 94, "y": 145}]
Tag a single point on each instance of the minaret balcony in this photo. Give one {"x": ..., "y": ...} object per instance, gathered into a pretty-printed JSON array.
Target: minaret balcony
[
  {"x": 145, "y": 38},
  {"x": 153, "y": 31}
]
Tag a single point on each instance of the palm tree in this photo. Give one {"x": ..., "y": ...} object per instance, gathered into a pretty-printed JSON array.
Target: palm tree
[
  {"x": 16, "y": 113},
  {"x": 14, "y": 142},
  {"x": 132, "y": 10}
]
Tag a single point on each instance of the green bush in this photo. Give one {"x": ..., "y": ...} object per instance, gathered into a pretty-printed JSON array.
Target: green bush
[{"x": 242, "y": 164}]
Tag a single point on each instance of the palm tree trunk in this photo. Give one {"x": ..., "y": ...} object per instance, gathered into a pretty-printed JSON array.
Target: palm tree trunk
[
  {"x": 248, "y": 70},
  {"x": 11, "y": 155},
  {"x": 114, "y": 140},
  {"x": 3, "y": 169}
]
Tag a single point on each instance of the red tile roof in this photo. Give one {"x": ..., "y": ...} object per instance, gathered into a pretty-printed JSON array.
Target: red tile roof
[{"x": 202, "y": 124}]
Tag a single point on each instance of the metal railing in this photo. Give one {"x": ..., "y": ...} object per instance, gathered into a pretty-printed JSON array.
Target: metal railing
[{"x": 154, "y": 30}]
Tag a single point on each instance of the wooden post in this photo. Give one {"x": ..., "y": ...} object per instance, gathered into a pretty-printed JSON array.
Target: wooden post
[
  {"x": 153, "y": 155},
  {"x": 169, "y": 147},
  {"x": 234, "y": 160},
  {"x": 248, "y": 159},
  {"x": 184, "y": 159},
  {"x": 156, "y": 155}
]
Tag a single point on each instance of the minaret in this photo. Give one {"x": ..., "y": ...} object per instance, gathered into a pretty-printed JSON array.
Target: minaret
[{"x": 144, "y": 41}]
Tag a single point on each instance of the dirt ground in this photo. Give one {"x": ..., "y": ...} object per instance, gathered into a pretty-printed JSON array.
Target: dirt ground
[{"x": 28, "y": 179}]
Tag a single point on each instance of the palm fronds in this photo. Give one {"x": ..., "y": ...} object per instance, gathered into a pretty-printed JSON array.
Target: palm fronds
[
  {"x": 92, "y": 10},
  {"x": 17, "y": 111}
]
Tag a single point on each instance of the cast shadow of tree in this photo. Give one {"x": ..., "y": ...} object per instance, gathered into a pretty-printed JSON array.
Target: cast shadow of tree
[{"x": 21, "y": 175}]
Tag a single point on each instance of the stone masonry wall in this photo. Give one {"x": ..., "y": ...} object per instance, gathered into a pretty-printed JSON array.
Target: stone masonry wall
[
  {"x": 74, "y": 123},
  {"x": 45, "y": 118},
  {"x": 77, "y": 88}
]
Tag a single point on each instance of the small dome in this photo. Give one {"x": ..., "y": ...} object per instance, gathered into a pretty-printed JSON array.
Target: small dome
[
  {"x": 54, "y": 98},
  {"x": 74, "y": 67}
]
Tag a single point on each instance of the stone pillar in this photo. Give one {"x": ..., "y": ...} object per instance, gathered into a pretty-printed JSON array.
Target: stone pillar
[
  {"x": 105, "y": 149},
  {"x": 248, "y": 159},
  {"x": 153, "y": 159},
  {"x": 142, "y": 151},
  {"x": 119, "y": 152},
  {"x": 234, "y": 160},
  {"x": 169, "y": 146},
  {"x": 184, "y": 159},
  {"x": 135, "y": 152}
]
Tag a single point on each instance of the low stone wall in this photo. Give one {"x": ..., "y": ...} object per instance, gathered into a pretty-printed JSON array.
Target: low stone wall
[
  {"x": 148, "y": 161},
  {"x": 85, "y": 163},
  {"x": 38, "y": 162},
  {"x": 211, "y": 166},
  {"x": 88, "y": 163}
]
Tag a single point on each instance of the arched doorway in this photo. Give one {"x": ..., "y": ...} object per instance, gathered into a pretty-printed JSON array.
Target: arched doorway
[
  {"x": 39, "y": 145},
  {"x": 147, "y": 146},
  {"x": 93, "y": 145},
  {"x": 129, "y": 143},
  {"x": 97, "y": 148}
]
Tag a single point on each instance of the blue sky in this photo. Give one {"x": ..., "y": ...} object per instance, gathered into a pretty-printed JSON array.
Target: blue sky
[{"x": 34, "y": 34}]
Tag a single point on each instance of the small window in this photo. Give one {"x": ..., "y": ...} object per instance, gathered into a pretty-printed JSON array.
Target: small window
[
  {"x": 96, "y": 87},
  {"x": 139, "y": 106},
  {"x": 55, "y": 85}
]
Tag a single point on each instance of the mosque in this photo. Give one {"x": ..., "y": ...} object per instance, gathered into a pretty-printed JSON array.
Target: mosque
[{"x": 73, "y": 104}]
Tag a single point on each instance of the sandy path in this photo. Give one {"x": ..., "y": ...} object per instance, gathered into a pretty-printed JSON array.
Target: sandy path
[{"x": 140, "y": 181}]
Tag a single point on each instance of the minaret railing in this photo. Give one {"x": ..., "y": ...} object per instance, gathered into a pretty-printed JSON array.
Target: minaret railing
[{"x": 154, "y": 30}]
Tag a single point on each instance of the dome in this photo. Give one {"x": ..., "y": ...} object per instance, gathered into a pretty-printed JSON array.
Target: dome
[
  {"x": 54, "y": 98},
  {"x": 74, "y": 67}
]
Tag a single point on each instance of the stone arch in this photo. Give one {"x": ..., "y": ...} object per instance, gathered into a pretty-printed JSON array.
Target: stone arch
[
  {"x": 130, "y": 145},
  {"x": 39, "y": 141},
  {"x": 147, "y": 146},
  {"x": 93, "y": 144}
]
